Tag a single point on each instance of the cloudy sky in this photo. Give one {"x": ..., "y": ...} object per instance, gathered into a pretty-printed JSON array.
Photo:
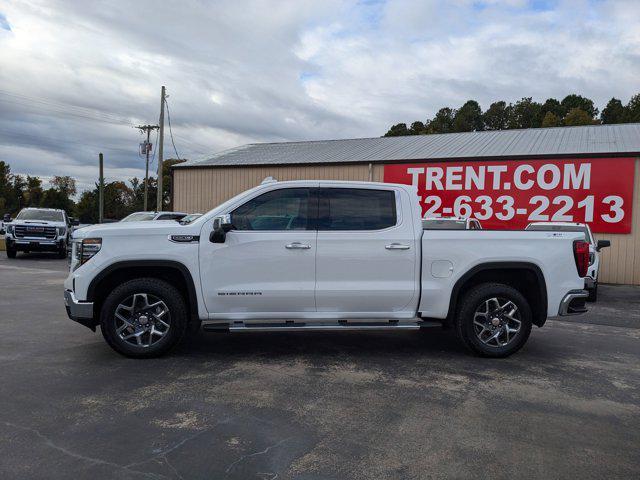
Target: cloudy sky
[{"x": 75, "y": 76}]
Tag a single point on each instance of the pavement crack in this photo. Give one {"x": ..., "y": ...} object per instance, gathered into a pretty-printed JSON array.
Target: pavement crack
[
  {"x": 255, "y": 454},
  {"x": 95, "y": 461},
  {"x": 165, "y": 452}
]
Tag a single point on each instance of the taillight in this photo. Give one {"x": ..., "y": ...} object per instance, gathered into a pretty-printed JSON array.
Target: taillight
[{"x": 581, "y": 254}]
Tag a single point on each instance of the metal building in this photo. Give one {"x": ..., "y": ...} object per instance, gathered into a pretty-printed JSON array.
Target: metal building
[{"x": 587, "y": 173}]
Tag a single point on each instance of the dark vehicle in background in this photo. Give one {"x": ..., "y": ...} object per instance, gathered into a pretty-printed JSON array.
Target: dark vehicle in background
[{"x": 39, "y": 230}]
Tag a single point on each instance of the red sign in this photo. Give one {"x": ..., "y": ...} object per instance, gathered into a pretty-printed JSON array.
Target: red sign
[{"x": 510, "y": 194}]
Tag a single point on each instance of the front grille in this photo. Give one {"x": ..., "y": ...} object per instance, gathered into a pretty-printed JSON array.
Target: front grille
[{"x": 35, "y": 231}]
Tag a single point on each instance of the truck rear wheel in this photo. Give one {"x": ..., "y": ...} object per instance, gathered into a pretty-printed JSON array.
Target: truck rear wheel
[
  {"x": 143, "y": 318},
  {"x": 494, "y": 320}
]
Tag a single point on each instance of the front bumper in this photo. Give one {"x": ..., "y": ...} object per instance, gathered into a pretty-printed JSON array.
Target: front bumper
[
  {"x": 35, "y": 244},
  {"x": 573, "y": 303},
  {"x": 81, "y": 312}
]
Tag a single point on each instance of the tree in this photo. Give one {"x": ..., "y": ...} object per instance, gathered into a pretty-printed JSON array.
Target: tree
[
  {"x": 87, "y": 206},
  {"x": 613, "y": 112},
  {"x": 468, "y": 118},
  {"x": 34, "y": 195},
  {"x": 417, "y": 128},
  {"x": 442, "y": 122},
  {"x": 118, "y": 199},
  {"x": 496, "y": 117},
  {"x": 397, "y": 130},
  {"x": 6, "y": 188},
  {"x": 578, "y": 101},
  {"x": 632, "y": 110},
  {"x": 576, "y": 117},
  {"x": 554, "y": 106},
  {"x": 551, "y": 120},
  {"x": 525, "y": 114},
  {"x": 19, "y": 187},
  {"x": 64, "y": 184}
]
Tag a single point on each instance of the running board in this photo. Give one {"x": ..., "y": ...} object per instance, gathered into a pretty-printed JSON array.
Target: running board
[{"x": 311, "y": 327}]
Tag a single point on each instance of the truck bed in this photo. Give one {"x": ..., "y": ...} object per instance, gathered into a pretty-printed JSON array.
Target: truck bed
[{"x": 450, "y": 257}]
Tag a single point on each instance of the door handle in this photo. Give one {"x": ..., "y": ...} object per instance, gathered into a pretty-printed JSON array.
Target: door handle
[
  {"x": 397, "y": 246},
  {"x": 297, "y": 246}
]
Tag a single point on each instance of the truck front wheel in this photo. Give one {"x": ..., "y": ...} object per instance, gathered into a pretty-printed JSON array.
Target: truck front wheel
[
  {"x": 143, "y": 318},
  {"x": 11, "y": 252},
  {"x": 494, "y": 320}
]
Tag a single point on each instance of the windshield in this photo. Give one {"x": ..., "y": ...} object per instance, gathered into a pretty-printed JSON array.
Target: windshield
[
  {"x": 562, "y": 228},
  {"x": 139, "y": 217},
  {"x": 444, "y": 224},
  {"x": 190, "y": 218},
  {"x": 42, "y": 215}
]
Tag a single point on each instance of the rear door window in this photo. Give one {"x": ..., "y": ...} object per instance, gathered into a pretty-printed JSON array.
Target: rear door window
[{"x": 356, "y": 209}]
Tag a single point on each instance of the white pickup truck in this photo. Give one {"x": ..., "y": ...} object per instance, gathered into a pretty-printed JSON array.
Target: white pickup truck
[
  {"x": 38, "y": 230},
  {"x": 320, "y": 255}
]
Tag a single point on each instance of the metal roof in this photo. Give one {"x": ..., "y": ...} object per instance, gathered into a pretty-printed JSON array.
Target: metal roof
[{"x": 584, "y": 140}]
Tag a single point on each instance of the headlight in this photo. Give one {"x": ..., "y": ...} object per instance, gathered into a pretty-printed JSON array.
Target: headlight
[
  {"x": 61, "y": 231},
  {"x": 11, "y": 229},
  {"x": 86, "y": 249}
]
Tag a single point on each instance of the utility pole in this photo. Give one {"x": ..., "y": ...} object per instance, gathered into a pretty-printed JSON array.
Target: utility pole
[
  {"x": 146, "y": 128},
  {"x": 160, "y": 150},
  {"x": 101, "y": 190}
]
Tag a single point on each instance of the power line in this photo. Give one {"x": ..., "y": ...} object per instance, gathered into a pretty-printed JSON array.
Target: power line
[
  {"x": 170, "y": 131},
  {"x": 13, "y": 136},
  {"x": 63, "y": 109}
]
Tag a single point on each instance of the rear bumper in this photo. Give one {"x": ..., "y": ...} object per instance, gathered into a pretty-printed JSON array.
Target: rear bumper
[
  {"x": 81, "y": 312},
  {"x": 573, "y": 303}
]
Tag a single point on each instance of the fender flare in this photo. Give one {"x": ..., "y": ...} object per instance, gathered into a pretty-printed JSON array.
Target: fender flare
[
  {"x": 186, "y": 274},
  {"x": 532, "y": 267}
]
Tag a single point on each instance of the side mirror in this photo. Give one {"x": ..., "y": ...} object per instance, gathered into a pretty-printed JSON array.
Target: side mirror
[
  {"x": 602, "y": 244},
  {"x": 221, "y": 225}
]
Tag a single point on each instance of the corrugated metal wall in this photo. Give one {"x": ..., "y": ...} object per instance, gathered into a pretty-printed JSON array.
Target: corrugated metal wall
[
  {"x": 621, "y": 262},
  {"x": 201, "y": 189}
]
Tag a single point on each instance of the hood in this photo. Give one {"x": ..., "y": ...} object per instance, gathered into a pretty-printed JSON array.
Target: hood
[
  {"x": 37, "y": 222},
  {"x": 126, "y": 229}
]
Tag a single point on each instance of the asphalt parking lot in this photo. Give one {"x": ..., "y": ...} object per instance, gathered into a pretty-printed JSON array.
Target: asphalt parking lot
[{"x": 313, "y": 406}]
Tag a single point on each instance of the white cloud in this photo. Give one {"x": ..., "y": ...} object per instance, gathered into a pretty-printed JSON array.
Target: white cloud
[{"x": 255, "y": 70}]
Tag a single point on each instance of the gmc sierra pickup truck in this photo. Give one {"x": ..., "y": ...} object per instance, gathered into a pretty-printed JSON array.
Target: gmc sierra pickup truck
[
  {"x": 320, "y": 255},
  {"x": 38, "y": 230}
]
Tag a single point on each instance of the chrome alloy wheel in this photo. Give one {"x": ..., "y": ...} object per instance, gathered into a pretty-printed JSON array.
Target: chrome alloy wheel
[
  {"x": 142, "y": 320},
  {"x": 496, "y": 322}
]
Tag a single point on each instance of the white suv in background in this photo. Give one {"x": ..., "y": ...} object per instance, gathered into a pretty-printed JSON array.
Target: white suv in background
[
  {"x": 591, "y": 281},
  {"x": 148, "y": 216},
  {"x": 38, "y": 230},
  {"x": 450, "y": 223}
]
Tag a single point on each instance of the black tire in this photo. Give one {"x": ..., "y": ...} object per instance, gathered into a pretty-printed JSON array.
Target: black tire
[
  {"x": 473, "y": 300},
  {"x": 62, "y": 253},
  {"x": 593, "y": 293},
  {"x": 150, "y": 286},
  {"x": 11, "y": 252}
]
